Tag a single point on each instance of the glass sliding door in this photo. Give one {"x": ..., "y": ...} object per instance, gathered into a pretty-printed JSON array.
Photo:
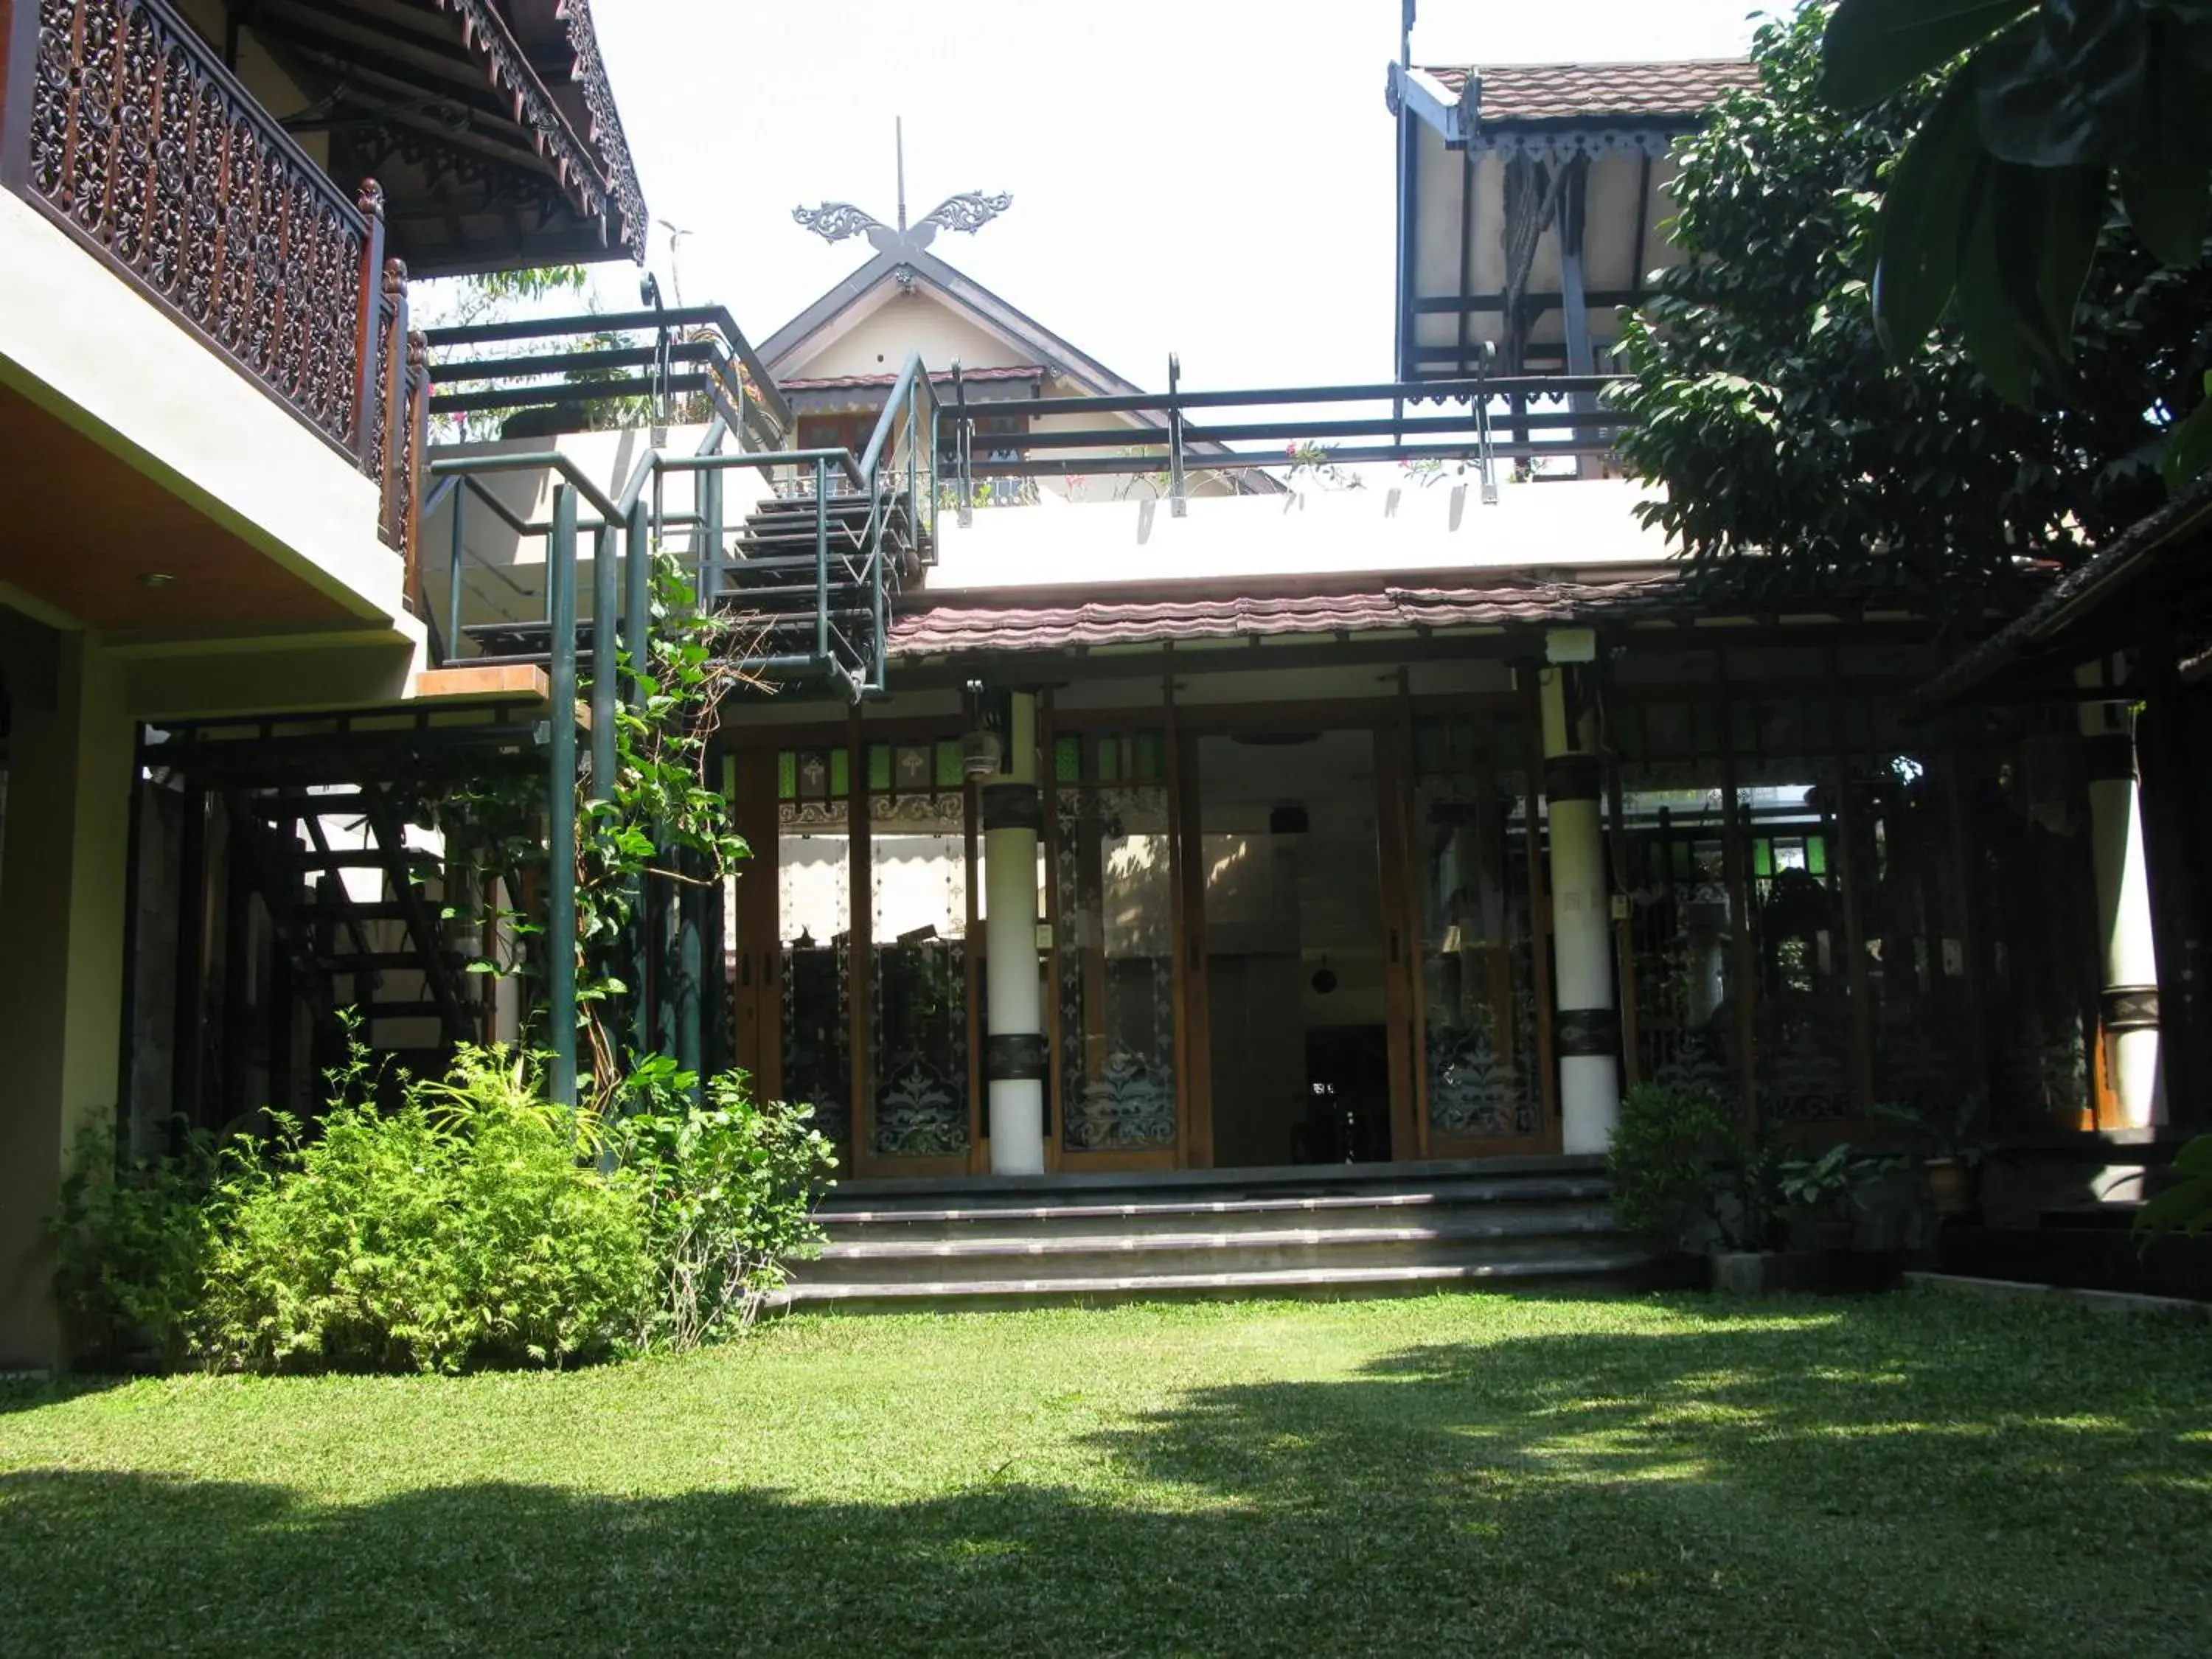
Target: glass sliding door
[
  {"x": 1112, "y": 887},
  {"x": 921, "y": 1086},
  {"x": 1481, "y": 1061},
  {"x": 814, "y": 909}
]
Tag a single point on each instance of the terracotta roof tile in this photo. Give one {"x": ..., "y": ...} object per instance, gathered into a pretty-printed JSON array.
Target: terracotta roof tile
[
  {"x": 955, "y": 629},
  {"x": 1582, "y": 92}
]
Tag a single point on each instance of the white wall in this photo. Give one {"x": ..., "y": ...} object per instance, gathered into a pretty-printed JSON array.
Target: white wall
[{"x": 78, "y": 341}]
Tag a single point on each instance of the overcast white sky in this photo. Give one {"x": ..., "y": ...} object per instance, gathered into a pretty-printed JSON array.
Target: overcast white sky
[{"x": 1211, "y": 177}]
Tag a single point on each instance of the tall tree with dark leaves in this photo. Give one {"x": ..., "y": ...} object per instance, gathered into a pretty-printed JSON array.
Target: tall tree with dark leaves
[{"x": 1798, "y": 453}]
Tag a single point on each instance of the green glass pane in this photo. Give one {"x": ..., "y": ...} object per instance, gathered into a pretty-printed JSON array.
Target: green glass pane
[
  {"x": 1067, "y": 759},
  {"x": 1109, "y": 758},
  {"x": 1684, "y": 869},
  {"x": 879, "y": 767},
  {"x": 1762, "y": 857},
  {"x": 786, "y": 775},
  {"x": 948, "y": 765},
  {"x": 840, "y": 772},
  {"x": 1628, "y": 733},
  {"x": 1816, "y": 855},
  {"x": 1151, "y": 757}
]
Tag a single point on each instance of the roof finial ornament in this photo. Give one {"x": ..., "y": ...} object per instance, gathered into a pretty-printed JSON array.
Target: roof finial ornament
[{"x": 967, "y": 211}]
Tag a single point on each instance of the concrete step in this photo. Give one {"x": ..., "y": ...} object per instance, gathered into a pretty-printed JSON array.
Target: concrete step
[
  {"x": 1108, "y": 1212},
  {"x": 1152, "y": 1253},
  {"x": 1552, "y": 1271}
]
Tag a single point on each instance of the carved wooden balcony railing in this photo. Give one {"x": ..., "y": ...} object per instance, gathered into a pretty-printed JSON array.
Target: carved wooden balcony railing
[{"x": 123, "y": 127}]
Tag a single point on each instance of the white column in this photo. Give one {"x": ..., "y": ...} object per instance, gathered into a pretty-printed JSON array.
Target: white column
[
  {"x": 2128, "y": 965},
  {"x": 1016, "y": 1054},
  {"x": 1587, "y": 1025}
]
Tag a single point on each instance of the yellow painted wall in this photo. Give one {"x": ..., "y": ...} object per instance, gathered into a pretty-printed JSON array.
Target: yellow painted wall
[{"x": 62, "y": 896}]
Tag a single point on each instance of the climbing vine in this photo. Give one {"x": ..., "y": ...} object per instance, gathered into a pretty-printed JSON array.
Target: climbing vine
[{"x": 659, "y": 822}]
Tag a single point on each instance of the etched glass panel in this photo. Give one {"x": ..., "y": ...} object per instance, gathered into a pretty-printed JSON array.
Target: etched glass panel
[
  {"x": 918, "y": 992},
  {"x": 1477, "y": 962},
  {"x": 1116, "y": 970},
  {"x": 815, "y": 887}
]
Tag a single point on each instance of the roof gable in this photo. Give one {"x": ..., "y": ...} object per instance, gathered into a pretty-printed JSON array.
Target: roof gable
[{"x": 1016, "y": 336}]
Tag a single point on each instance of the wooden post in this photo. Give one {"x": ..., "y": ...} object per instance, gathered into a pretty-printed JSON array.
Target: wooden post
[
  {"x": 1736, "y": 870},
  {"x": 1540, "y": 897},
  {"x": 972, "y": 963},
  {"x": 859, "y": 936},
  {"x": 1403, "y": 924},
  {"x": 368, "y": 326},
  {"x": 1852, "y": 877},
  {"x": 1055, "y": 1122},
  {"x": 1623, "y": 927}
]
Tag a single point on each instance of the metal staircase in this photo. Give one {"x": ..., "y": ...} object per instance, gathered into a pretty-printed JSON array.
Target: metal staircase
[
  {"x": 306, "y": 870},
  {"x": 805, "y": 587}
]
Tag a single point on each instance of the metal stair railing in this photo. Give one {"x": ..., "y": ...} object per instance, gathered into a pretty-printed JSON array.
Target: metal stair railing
[{"x": 896, "y": 469}]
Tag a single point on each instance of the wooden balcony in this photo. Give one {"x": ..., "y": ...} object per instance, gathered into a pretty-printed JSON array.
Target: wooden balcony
[{"x": 119, "y": 124}]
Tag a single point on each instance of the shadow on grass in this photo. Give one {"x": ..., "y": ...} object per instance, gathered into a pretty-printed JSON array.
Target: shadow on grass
[
  {"x": 1821, "y": 1485},
  {"x": 24, "y": 1391}
]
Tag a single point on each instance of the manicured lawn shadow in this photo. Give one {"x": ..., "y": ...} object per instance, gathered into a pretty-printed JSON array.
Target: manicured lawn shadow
[{"x": 1863, "y": 1480}]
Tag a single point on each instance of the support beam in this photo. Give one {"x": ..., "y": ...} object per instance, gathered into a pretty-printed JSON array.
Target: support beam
[
  {"x": 1016, "y": 1059},
  {"x": 2127, "y": 966},
  {"x": 561, "y": 803},
  {"x": 1589, "y": 1025}
]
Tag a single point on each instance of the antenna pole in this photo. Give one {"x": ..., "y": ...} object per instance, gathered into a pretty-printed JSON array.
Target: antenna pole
[{"x": 898, "y": 127}]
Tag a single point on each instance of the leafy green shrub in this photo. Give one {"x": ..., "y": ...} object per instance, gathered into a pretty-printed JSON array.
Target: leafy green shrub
[
  {"x": 1661, "y": 1160},
  {"x": 131, "y": 1241},
  {"x": 729, "y": 1187},
  {"x": 460, "y": 1229},
  {"x": 474, "y": 1225},
  {"x": 2185, "y": 1207}
]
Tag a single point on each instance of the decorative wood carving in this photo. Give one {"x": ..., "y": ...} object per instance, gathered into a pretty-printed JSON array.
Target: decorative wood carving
[{"x": 139, "y": 142}]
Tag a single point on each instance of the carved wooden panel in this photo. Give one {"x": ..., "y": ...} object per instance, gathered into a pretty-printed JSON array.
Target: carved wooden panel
[{"x": 145, "y": 146}]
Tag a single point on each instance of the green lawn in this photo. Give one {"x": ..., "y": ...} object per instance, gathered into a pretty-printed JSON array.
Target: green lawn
[{"x": 1454, "y": 1474}]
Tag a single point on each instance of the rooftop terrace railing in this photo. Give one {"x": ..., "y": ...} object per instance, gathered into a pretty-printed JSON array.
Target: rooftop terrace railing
[
  {"x": 1499, "y": 418},
  {"x": 600, "y": 369},
  {"x": 124, "y": 127}
]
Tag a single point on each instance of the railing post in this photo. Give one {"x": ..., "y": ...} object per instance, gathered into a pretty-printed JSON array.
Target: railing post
[
  {"x": 1178, "y": 504},
  {"x": 561, "y": 800},
  {"x": 392, "y": 366},
  {"x": 638, "y": 603},
  {"x": 418, "y": 447},
  {"x": 690, "y": 968},
  {"x": 963, "y": 448},
  {"x": 369, "y": 332},
  {"x": 637, "y": 639},
  {"x": 453, "y": 575},
  {"x": 822, "y": 559},
  {"x": 606, "y": 597},
  {"x": 710, "y": 548}
]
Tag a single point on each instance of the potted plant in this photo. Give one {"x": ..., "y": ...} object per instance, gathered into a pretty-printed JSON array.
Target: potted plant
[
  {"x": 1822, "y": 1195},
  {"x": 1747, "y": 1207},
  {"x": 1951, "y": 1139}
]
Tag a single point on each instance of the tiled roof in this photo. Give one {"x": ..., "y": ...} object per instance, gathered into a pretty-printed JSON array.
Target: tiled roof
[
  {"x": 2129, "y": 558},
  {"x": 941, "y": 377},
  {"x": 957, "y": 630},
  {"x": 1583, "y": 92}
]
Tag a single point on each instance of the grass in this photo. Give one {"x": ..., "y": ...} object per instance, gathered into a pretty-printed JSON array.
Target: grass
[{"x": 1455, "y": 1474}]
